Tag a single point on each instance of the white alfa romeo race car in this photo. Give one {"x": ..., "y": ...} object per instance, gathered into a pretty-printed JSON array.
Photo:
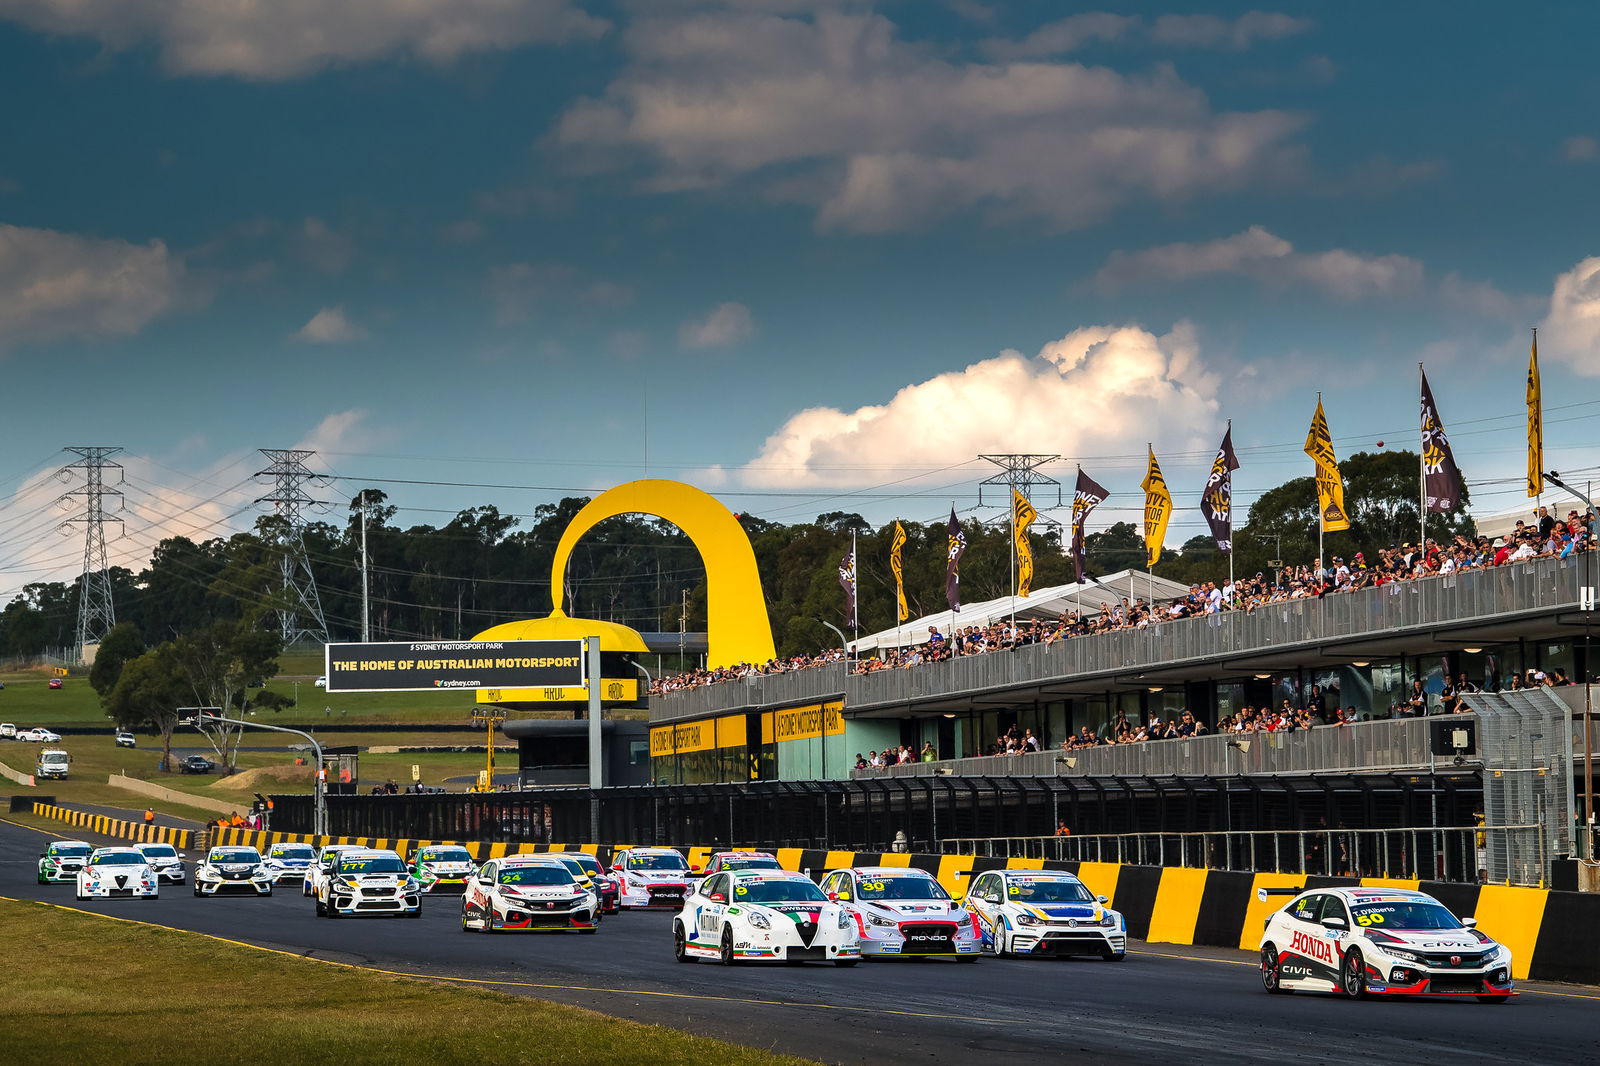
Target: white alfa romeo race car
[
  {"x": 1383, "y": 941},
  {"x": 904, "y": 911},
  {"x": 528, "y": 892},
  {"x": 651, "y": 877},
  {"x": 1044, "y": 912},
  {"x": 117, "y": 872},
  {"x": 763, "y": 915},
  {"x": 232, "y": 868},
  {"x": 165, "y": 860},
  {"x": 368, "y": 882},
  {"x": 288, "y": 862},
  {"x": 62, "y": 859}
]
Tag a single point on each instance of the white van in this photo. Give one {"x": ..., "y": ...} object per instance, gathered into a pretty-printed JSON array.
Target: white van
[{"x": 53, "y": 762}]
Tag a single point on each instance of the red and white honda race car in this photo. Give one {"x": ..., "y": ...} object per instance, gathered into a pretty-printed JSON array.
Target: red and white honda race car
[
  {"x": 1382, "y": 941},
  {"x": 651, "y": 877}
]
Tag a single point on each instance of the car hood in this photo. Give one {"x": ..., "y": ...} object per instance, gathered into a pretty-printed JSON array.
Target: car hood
[
  {"x": 656, "y": 877},
  {"x": 1433, "y": 939},
  {"x": 910, "y": 907},
  {"x": 1082, "y": 911}
]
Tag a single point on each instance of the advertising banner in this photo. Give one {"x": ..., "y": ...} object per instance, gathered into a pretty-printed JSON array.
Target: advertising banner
[{"x": 427, "y": 666}]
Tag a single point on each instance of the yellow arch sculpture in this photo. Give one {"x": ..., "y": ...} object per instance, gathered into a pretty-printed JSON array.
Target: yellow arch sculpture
[{"x": 737, "y": 628}]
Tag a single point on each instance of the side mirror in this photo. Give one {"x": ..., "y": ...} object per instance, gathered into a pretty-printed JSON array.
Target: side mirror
[
  {"x": 718, "y": 897},
  {"x": 1470, "y": 923},
  {"x": 695, "y": 870},
  {"x": 482, "y": 880},
  {"x": 1334, "y": 923},
  {"x": 1102, "y": 899},
  {"x": 845, "y": 896},
  {"x": 991, "y": 898},
  {"x": 183, "y": 854}
]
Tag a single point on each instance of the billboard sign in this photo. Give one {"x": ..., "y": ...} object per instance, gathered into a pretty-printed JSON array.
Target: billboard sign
[{"x": 442, "y": 666}]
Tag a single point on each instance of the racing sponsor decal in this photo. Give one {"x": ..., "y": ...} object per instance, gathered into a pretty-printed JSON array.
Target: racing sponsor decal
[{"x": 1313, "y": 947}]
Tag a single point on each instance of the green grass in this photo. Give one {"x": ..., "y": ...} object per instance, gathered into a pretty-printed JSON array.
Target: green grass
[{"x": 102, "y": 991}]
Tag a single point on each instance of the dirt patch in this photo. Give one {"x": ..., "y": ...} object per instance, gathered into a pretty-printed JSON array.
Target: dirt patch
[{"x": 252, "y": 780}]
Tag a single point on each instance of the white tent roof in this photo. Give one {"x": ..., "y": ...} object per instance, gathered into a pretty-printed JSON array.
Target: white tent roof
[{"x": 1049, "y": 603}]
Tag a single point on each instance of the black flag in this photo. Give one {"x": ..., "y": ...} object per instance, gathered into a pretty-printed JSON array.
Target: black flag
[
  {"x": 847, "y": 581},
  {"x": 952, "y": 572},
  {"x": 1441, "y": 477},
  {"x": 1216, "y": 503},
  {"x": 1089, "y": 494}
]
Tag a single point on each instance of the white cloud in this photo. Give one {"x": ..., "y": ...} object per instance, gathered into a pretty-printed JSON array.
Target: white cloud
[
  {"x": 878, "y": 133},
  {"x": 1098, "y": 390},
  {"x": 723, "y": 326},
  {"x": 1571, "y": 329},
  {"x": 261, "y": 40},
  {"x": 343, "y": 432},
  {"x": 330, "y": 326},
  {"x": 518, "y": 289},
  {"x": 1580, "y": 149},
  {"x": 1268, "y": 258},
  {"x": 55, "y": 285},
  {"x": 1179, "y": 31},
  {"x": 1212, "y": 31}
]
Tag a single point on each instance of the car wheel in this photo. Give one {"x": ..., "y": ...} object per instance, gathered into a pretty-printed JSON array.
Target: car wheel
[
  {"x": 680, "y": 943},
  {"x": 266, "y": 891},
  {"x": 415, "y": 912},
  {"x": 1353, "y": 976},
  {"x": 1001, "y": 948},
  {"x": 1114, "y": 956},
  {"x": 1271, "y": 971},
  {"x": 465, "y": 928},
  {"x": 1493, "y": 999},
  {"x": 487, "y": 925},
  {"x": 197, "y": 892},
  {"x": 727, "y": 947},
  {"x": 322, "y": 911}
]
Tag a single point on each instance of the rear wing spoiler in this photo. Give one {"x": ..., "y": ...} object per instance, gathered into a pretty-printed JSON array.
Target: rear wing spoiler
[{"x": 1264, "y": 894}]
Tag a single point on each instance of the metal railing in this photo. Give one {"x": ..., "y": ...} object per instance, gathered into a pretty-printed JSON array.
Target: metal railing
[
  {"x": 1446, "y": 853},
  {"x": 1398, "y": 744},
  {"x": 1535, "y": 586}
]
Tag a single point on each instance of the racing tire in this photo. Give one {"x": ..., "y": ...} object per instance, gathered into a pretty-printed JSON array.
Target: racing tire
[
  {"x": 1353, "y": 976},
  {"x": 1001, "y": 948},
  {"x": 680, "y": 943},
  {"x": 1114, "y": 956},
  {"x": 322, "y": 912},
  {"x": 268, "y": 892},
  {"x": 197, "y": 893},
  {"x": 1271, "y": 972},
  {"x": 417, "y": 913},
  {"x": 43, "y": 880},
  {"x": 487, "y": 925},
  {"x": 465, "y": 928},
  {"x": 1494, "y": 998},
  {"x": 305, "y": 889},
  {"x": 845, "y": 962},
  {"x": 727, "y": 947}
]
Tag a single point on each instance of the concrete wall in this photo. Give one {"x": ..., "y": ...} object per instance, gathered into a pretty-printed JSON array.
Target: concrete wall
[{"x": 172, "y": 795}]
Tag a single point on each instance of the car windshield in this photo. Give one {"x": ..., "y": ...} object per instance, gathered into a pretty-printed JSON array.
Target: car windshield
[
  {"x": 657, "y": 862},
  {"x": 1404, "y": 914},
  {"x": 50, "y": 758},
  {"x": 1048, "y": 891},
  {"x": 535, "y": 875},
  {"x": 70, "y": 851},
  {"x": 587, "y": 864},
  {"x": 758, "y": 863},
  {"x": 160, "y": 851},
  {"x": 236, "y": 855},
  {"x": 291, "y": 851},
  {"x": 376, "y": 864},
  {"x": 445, "y": 855},
  {"x": 777, "y": 890},
  {"x": 900, "y": 888},
  {"x": 118, "y": 858}
]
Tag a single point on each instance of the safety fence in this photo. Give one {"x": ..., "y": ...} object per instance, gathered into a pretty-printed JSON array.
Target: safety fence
[{"x": 105, "y": 825}]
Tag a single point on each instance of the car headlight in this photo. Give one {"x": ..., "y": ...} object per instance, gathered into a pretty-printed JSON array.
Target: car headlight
[
  {"x": 844, "y": 920},
  {"x": 873, "y": 919},
  {"x": 1109, "y": 919},
  {"x": 759, "y": 920},
  {"x": 1409, "y": 956},
  {"x": 1028, "y": 919}
]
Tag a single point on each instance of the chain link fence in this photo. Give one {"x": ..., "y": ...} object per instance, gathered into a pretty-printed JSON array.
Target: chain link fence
[{"x": 1525, "y": 745}]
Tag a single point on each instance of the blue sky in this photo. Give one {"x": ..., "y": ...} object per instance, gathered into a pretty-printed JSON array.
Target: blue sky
[{"x": 810, "y": 255}]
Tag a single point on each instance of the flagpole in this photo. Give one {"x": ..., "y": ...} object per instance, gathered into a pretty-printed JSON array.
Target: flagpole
[
  {"x": 1422, "y": 481},
  {"x": 1012, "y": 502},
  {"x": 1322, "y": 516},
  {"x": 855, "y": 599},
  {"x": 1230, "y": 516}
]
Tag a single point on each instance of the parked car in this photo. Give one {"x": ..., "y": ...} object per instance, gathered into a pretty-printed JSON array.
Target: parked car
[
  {"x": 322, "y": 682},
  {"x": 195, "y": 764},
  {"x": 40, "y": 736},
  {"x": 55, "y": 682},
  {"x": 8, "y": 731},
  {"x": 126, "y": 740}
]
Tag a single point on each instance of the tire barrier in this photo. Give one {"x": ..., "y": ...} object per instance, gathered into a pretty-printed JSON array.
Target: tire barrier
[
  {"x": 1554, "y": 936},
  {"x": 138, "y": 832}
]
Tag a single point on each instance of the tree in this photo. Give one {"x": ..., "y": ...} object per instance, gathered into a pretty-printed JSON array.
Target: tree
[
  {"x": 147, "y": 693},
  {"x": 120, "y": 645},
  {"x": 1118, "y": 547},
  {"x": 220, "y": 664}
]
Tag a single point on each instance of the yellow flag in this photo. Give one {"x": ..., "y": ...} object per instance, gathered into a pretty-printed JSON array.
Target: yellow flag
[
  {"x": 1022, "y": 516},
  {"x": 897, "y": 564},
  {"x": 1157, "y": 510},
  {"x": 1535, "y": 423},
  {"x": 1330, "y": 486}
]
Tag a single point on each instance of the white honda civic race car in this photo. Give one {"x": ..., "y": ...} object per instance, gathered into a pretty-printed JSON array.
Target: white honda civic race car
[
  {"x": 288, "y": 862},
  {"x": 763, "y": 915},
  {"x": 117, "y": 872},
  {"x": 529, "y": 892},
  {"x": 903, "y": 911},
  {"x": 1380, "y": 941},
  {"x": 232, "y": 868},
  {"x": 371, "y": 881},
  {"x": 165, "y": 860},
  {"x": 1044, "y": 912},
  {"x": 651, "y": 877}
]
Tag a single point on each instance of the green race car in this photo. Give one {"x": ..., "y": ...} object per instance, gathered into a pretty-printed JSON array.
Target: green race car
[
  {"x": 442, "y": 867},
  {"x": 62, "y": 859}
]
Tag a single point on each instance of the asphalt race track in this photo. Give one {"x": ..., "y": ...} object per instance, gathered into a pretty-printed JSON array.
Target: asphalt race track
[{"x": 1161, "y": 1005}]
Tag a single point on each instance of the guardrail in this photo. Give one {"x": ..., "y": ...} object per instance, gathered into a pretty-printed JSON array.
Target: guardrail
[
  {"x": 1445, "y": 853},
  {"x": 1536, "y": 586}
]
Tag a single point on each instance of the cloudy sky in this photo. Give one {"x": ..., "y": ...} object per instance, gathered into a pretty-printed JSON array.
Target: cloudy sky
[{"x": 812, "y": 255}]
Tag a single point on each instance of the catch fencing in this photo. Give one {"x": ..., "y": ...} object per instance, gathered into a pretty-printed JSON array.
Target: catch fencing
[{"x": 1524, "y": 742}]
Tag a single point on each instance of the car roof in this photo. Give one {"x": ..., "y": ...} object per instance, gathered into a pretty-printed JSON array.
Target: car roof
[
  {"x": 1035, "y": 875},
  {"x": 768, "y": 875},
  {"x": 151, "y": 844},
  {"x": 235, "y": 847},
  {"x": 655, "y": 851},
  {"x": 887, "y": 871},
  {"x": 1374, "y": 894},
  {"x": 116, "y": 849},
  {"x": 743, "y": 855},
  {"x": 85, "y": 843},
  {"x": 543, "y": 859},
  {"x": 573, "y": 854}
]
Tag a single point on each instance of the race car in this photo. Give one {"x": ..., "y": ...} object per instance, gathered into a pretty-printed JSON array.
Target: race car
[
  {"x": 763, "y": 915},
  {"x": 62, "y": 859},
  {"x": 288, "y": 861},
  {"x": 1044, "y": 912},
  {"x": 165, "y": 860},
  {"x": 442, "y": 867},
  {"x": 904, "y": 911},
  {"x": 117, "y": 872},
  {"x": 232, "y": 869},
  {"x": 1382, "y": 941},
  {"x": 369, "y": 881},
  {"x": 317, "y": 872},
  {"x": 604, "y": 885},
  {"x": 739, "y": 860},
  {"x": 651, "y": 877},
  {"x": 528, "y": 892}
]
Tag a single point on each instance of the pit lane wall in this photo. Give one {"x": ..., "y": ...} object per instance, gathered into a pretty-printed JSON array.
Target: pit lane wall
[
  {"x": 138, "y": 832},
  {"x": 1554, "y": 936}
]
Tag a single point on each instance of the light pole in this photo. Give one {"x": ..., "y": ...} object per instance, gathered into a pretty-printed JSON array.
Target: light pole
[{"x": 319, "y": 812}]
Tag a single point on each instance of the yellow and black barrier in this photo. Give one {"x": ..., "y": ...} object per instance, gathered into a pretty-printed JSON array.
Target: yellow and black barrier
[
  {"x": 1552, "y": 935},
  {"x": 138, "y": 832}
]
